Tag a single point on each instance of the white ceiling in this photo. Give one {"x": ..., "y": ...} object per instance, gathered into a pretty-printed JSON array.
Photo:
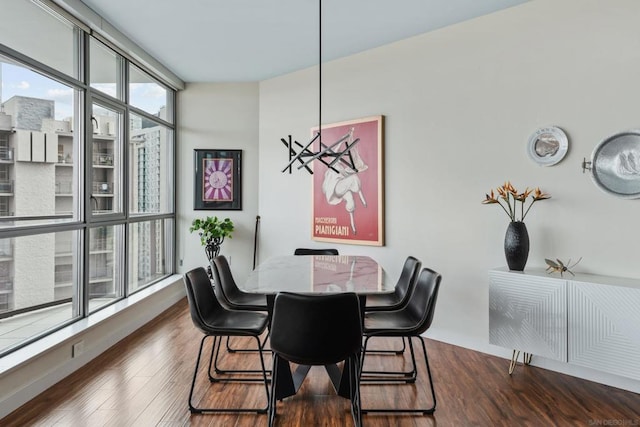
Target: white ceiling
[{"x": 252, "y": 40}]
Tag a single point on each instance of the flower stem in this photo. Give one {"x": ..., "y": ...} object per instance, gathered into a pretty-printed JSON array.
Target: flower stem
[
  {"x": 503, "y": 208},
  {"x": 511, "y": 214},
  {"x": 527, "y": 211}
]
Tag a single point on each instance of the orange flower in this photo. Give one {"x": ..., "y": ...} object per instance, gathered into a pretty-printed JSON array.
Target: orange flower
[
  {"x": 523, "y": 196},
  {"x": 539, "y": 195},
  {"x": 510, "y": 188},
  {"x": 509, "y": 198},
  {"x": 490, "y": 199}
]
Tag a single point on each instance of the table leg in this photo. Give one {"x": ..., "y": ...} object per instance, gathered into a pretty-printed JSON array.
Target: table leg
[{"x": 288, "y": 383}]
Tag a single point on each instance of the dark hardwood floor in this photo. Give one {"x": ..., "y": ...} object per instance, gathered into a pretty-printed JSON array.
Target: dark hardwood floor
[{"x": 144, "y": 381}]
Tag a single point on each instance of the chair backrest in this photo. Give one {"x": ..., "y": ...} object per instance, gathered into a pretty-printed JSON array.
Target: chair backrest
[
  {"x": 305, "y": 251},
  {"x": 203, "y": 303},
  {"x": 422, "y": 302},
  {"x": 316, "y": 329},
  {"x": 407, "y": 280},
  {"x": 223, "y": 279}
]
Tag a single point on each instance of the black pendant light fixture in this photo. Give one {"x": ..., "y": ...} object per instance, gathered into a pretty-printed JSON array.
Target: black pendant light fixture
[{"x": 328, "y": 155}]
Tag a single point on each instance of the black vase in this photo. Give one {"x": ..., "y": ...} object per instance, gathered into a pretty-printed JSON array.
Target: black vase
[{"x": 516, "y": 245}]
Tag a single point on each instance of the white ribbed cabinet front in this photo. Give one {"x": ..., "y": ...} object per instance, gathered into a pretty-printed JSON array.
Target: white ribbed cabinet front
[
  {"x": 528, "y": 313},
  {"x": 604, "y": 326},
  {"x": 586, "y": 320}
]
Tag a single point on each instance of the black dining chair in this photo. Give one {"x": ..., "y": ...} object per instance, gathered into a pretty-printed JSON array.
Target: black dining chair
[
  {"x": 316, "y": 330},
  {"x": 408, "y": 322},
  {"x": 394, "y": 301},
  {"x": 401, "y": 292},
  {"x": 232, "y": 297},
  {"x": 325, "y": 251},
  {"x": 215, "y": 321}
]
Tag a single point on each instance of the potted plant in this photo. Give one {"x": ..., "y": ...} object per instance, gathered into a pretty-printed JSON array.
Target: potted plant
[{"x": 212, "y": 233}]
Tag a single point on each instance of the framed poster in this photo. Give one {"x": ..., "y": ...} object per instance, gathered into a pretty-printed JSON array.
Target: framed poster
[
  {"x": 347, "y": 197},
  {"x": 218, "y": 184}
]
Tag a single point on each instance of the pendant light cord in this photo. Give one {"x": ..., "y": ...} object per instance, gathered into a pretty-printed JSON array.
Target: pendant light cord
[{"x": 319, "y": 71}]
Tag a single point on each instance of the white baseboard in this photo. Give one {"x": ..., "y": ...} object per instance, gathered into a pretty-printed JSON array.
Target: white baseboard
[{"x": 538, "y": 361}]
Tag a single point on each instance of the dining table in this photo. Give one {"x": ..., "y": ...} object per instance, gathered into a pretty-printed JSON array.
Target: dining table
[
  {"x": 318, "y": 274},
  {"x": 315, "y": 275}
]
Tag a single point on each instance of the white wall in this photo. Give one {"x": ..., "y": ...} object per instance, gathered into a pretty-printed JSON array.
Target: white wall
[
  {"x": 217, "y": 116},
  {"x": 460, "y": 104}
]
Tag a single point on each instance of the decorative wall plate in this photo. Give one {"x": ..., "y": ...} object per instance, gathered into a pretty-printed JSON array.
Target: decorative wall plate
[
  {"x": 615, "y": 164},
  {"x": 547, "y": 146}
]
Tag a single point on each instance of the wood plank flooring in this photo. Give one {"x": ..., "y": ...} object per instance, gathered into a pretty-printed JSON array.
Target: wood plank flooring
[{"x": 144, "y": 381}]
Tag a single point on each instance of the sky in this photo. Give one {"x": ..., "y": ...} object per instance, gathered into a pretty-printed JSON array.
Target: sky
[{"x": 20, "y": 81}]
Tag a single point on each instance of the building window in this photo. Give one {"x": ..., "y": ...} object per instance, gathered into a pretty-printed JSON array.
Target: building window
[{"x": 86, "y": 202}]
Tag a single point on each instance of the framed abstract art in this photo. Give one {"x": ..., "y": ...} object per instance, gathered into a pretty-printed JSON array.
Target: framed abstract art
[{"x": 218, "y": 182}]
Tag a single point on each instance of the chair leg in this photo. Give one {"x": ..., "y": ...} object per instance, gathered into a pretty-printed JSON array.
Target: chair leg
[
  {"x": 392, "y": 351},
  {"x": 217, "y": 341},
  {"x": 272, "y": 400},
  {"x": 192, "y": 408},
  {"x": 433, "y": 390},
  {"x": 213, "y": 363},
  {"x": 354, "y": 390},
  {"x": 383, "y": 376},
  {"x": 247, "y": 350},
  {"x": 424, "y": 411}
]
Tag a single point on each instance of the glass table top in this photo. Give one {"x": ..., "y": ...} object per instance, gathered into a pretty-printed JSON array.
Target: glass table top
[{"x": 318, "y": 274}]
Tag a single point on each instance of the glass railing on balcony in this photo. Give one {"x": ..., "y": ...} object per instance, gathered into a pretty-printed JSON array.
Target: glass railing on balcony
[
  {"x": 63, "y": 276},
  {"x": 103, "y": 188},
  {"x": 6, "y": 186},
  {"x": 101, "y": 244},
  {"x": 101, "y": 273},
  {"x": 6, "y": 285},
  {"x": 6, "y": 154},
  {"x": 6, "y": 248},
  {"x": 65, "y": 159},
  {"x": 64, "y": 187},
  {"x": 102, "y": 159}
]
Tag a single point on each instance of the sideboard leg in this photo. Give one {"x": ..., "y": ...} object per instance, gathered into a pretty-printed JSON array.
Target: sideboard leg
[
  {"x": 514, "y": 361},
  {"x": 527, "y": 358}
]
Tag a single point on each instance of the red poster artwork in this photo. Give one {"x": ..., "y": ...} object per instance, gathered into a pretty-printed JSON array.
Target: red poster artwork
[{"x": 348, "y": 197}]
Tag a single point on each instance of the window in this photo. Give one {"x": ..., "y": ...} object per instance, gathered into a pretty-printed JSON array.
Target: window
[
  {"x": 38, "y": 279},
  {"x": 147, "y": 253},
  {"x": 106, "y": 163},
  {"x": 105, "y": 69},
  {"x": 147, "y": 94},
  {"x": 150, "y": 161},
  {"x": 57, "y": 49},
  {"x": 86, "y": 202},
  {"x": 105, "y": 284},
  {"x": 38, "y": 148}
]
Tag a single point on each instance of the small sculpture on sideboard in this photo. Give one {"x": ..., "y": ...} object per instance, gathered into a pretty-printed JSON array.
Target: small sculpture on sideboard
[{"x": 558, "y": 266}]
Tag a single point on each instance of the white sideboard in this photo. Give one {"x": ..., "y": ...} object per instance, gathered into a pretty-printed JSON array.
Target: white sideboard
[{"x": 585, "y": 320}]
